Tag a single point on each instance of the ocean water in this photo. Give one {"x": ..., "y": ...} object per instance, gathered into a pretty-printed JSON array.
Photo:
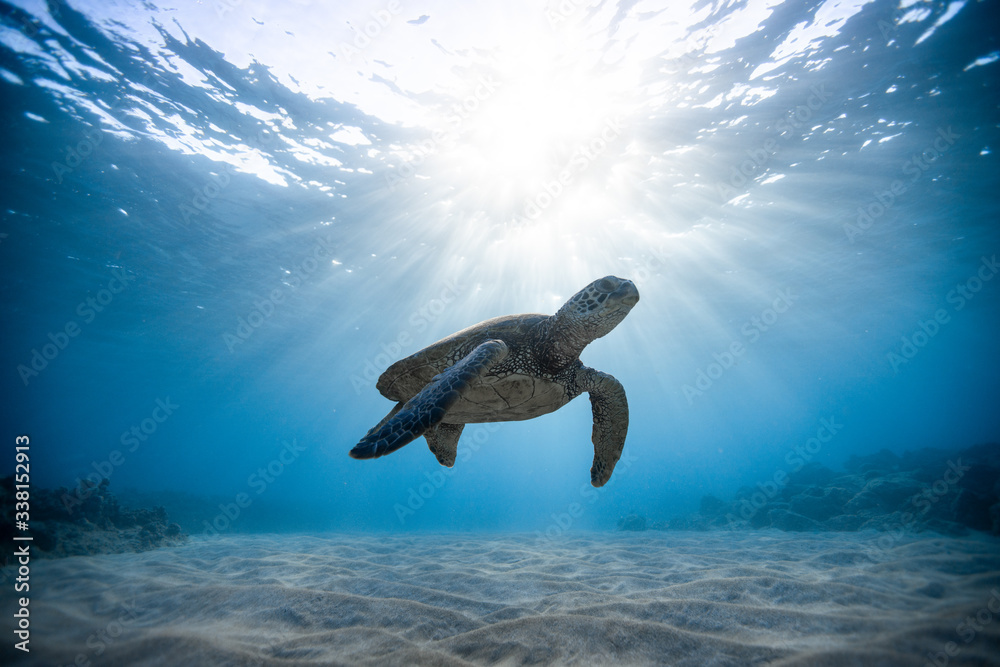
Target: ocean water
[{"x": 221, "y": 221}]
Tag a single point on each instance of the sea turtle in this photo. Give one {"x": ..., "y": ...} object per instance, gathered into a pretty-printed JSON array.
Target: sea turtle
[{"x": 508, "y": 369}]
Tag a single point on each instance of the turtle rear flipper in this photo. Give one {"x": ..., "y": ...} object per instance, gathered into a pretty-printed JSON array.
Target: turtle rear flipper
[
  {"x": 431, "y": 403},
  {"x": 443, "y": 441}
]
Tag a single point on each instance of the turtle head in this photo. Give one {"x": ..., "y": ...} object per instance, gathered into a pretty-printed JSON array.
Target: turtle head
[{"x": 598, "y": 308}]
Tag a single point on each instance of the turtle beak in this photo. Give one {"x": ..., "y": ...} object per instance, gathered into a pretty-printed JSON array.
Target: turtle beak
[{"x": 631, "y": 294}]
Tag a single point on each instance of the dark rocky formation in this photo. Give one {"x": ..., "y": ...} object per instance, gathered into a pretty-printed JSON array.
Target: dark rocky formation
[
  {"x": 633, "y": 522},
  {"x": 951, "y": 492},
  {"x": 86, "y": 520}
]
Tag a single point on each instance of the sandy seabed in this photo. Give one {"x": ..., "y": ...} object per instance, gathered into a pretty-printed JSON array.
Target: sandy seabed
[{"x": 652, "y": 598}]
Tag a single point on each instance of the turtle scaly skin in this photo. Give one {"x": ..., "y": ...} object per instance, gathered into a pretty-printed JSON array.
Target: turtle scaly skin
[{"x": 508, "y": 369}]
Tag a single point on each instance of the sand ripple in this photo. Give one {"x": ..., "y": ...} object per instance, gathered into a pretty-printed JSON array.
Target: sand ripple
[{"x": 591, "y": 599}]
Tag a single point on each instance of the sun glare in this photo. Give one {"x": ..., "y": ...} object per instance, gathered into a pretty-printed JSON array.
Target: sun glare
[{"x": 549, "y": 107}]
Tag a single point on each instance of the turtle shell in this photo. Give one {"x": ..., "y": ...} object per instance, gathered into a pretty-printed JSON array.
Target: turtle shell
[{"x": 514, "y": 389}]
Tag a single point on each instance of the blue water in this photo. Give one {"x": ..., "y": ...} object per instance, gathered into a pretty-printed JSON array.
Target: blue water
[{"x": 221, "y": 222}]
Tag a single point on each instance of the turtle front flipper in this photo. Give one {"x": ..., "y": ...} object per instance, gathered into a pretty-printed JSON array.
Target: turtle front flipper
[
  {"x": 431, "y": 403},
  {"x": 392, "y": 413},
  {"x": 610, "y": 407},
  {"x": 443, "y": 441}
]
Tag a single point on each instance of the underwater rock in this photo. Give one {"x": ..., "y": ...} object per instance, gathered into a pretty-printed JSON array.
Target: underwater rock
[
  {"x": 762, "y": 518},
  {"x": 820, "y": 503},
  {"x": 782, "y": 519},
  {"x": 632, "y": 522},
  {"x": 950, "y": 528},
  {"x": 886, "y": 493},
  {"x": 892, "y": 521},
  {"x": 692, "y": 522},
  {"x": 935, "y": 590},
  {"x": 947, "y": 491},
  {"x": 711, "y": 507},
  {"x": 845, "y": 522},
  {"x": 812, "y": 474},
  {"x": 881, "y": 462},
  {"x": 88, "y": 520},
  {"x": 973, "y": 510}
]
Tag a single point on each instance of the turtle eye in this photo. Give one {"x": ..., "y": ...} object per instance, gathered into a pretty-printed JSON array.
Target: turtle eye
[{"x": 607, "y": 284}]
